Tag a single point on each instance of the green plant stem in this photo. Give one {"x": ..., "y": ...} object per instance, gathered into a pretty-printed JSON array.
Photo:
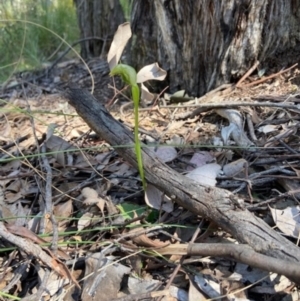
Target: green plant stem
[
  {"x": 137, "y": 144},
  {"x": 129, "y": 76}
]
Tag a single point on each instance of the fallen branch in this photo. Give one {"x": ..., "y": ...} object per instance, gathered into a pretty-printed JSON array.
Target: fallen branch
[
  {"x": 269, "y": 77},
  {"x": 230, "y": 105},
  {"x": 35, "y": 250},
  {"x": 218, "y": 205},
  {"x": 247, "y": 74},
  {"x": 240, "y": 253}
]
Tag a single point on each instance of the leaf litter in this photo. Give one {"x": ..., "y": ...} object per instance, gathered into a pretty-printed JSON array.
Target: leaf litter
[{"x": 104, "y": 241}]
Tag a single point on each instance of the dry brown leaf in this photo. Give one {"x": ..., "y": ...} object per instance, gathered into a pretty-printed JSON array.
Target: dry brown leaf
[
  {"x": 144, "y": 241},
  {"x": 85, "y": 221},
  {"x": 58, "y": 147},
  {"x": 287, "y": 220},
  {"x": 26, "y": 233},
  {"x": 205, "y": 174},
  {"x": 92, "y": 198},
  {"x": 151, "y": 72},
  {"x": 235, "y": 168},
  {"x": 145, "y": 94},
  {"x": 121, "y": 37},
  {"x": 63, "y": 211},
  {"x": 156, "y": 199}
]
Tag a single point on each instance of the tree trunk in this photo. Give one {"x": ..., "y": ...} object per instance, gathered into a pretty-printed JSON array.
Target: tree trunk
[
  {"x": 205, "y": 43},
  {"x": 99, "y": 19}
]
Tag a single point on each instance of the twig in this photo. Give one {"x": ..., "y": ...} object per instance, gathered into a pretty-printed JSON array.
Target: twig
[
  {"x": 293, "y": 151},
  {"x": 275, "y": 199},
  {"x": 227, "y": 105},
  {"x": 48, "y": 199},
  {"x": 251, "y": 127},
  {"x": 43, "y": 285},
  {"x": 269, "y": 77},
  {"x": 35, "y": 250},
  {"x": 143, "y": 296},
  {"x": 17, "y": 141},
  {"x": 248, "y": 73},
  {"x": 20, "y": 271}
]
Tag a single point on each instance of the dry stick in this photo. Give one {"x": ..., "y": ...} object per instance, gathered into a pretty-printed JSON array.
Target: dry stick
[
  {"x": 48, "y": 199},
  {"x": 251, "y": 127},
  {"x": 241, "y": 253},
  {"x": 247, "y": 74},
  {"x": 33, "y": 249},
  {"x": 43, "y": 285},
  {"x": 218, "y": 205},
  {"x": 142, "y": 296},
  {"x": 268, "y": 77},
  {"x": 175, "y": 272},
  {"x": 200, "y": 108},
  {"x": 275, "y": 199},
  {"x": 226, "y": 105}
]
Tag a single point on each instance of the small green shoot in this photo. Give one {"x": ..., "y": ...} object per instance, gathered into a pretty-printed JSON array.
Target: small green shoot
[{"x": 128, "y": 75}]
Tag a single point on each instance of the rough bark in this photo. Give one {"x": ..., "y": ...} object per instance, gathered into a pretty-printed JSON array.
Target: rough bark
[
  {"x": 99, "y": 19},
  {"x": 217, "y": 204},
  {"x": 205, "y": 43}
]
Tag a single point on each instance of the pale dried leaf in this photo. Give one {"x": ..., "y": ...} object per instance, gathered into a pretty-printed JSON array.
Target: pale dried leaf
[
  {"x": 195, "y": 294},
  {"x": 63, "y": 211},
  {"x": 269, "y": 128},
  {"x": 140, "y": 286},
  {"x": 121, "y": 37},
  {"x": 50, "y": 130},
  {"x": 233, "y": 116},
  {"x": 92, "y": 198},
  {"x": 145, "y": 94},
  {"x": 144, "y": 241},
  {"x": 178, "y": 94},
  {"x": 5, "y": 132},
  {"x": 58, "y": 146},
  {"x": 85, "y": 221},
  {"x": 54, "y": 282},
  {"x": 242, "y": 272},
  {"x": 156, "y": 199},
  {"x": 201, "y": 158},
  {"x": 19, "y": 189},
  {"x": 105, "y": 283},
  {"x": 124, "y": 170},
  {"x": 6, "y": 214},
  {"x": 178, "y": 293},
  {"x": 205, "y": 174},
  {"x": 176, "y": 140},
  {"x": 234, "y": 168},
  {"x": 100, "y": 204},
  {"x": 227, "y": 131},
  {"x": 166, "y": 153},
  {"x": 287, "y": 220},
  {"x": 20, "y": 212},
  {"x": 151, "y": 72},
  {"x": 238, "y": 135},
  {"x": 209, "y": 287},
  {"x": 17, "y": 185},
  {"x": 12, "y": 167},
  {"x": 89, "y": 193},
  {"x": 175, "y": 126}
]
